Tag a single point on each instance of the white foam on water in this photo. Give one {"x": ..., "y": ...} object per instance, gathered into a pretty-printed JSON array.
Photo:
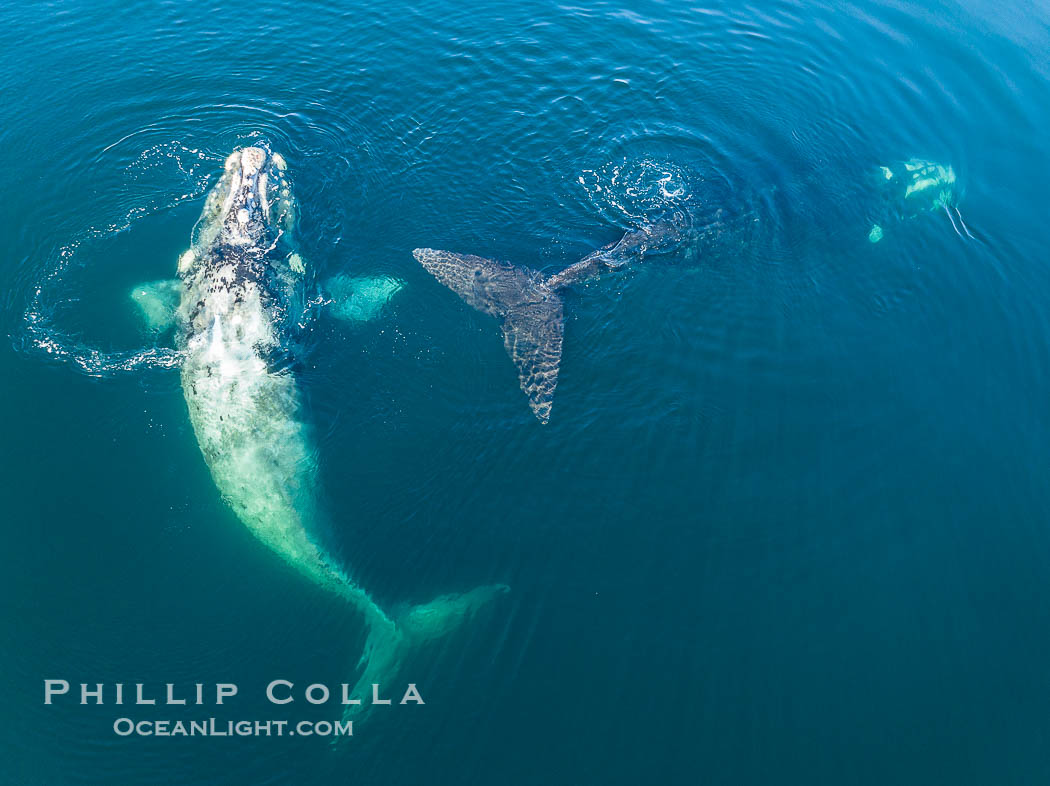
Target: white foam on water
[
  {"x": 637, "y": 192},
  {"x": 158, "y": 178}
]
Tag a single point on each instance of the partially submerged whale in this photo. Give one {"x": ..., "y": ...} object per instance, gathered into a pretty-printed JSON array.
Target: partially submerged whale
[
  {"x": 239, "y": 299},
  {"x": 529, "y": 304},
  {"x": 918, "y": 186}
]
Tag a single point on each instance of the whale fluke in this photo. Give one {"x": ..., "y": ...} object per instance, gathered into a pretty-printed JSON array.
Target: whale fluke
[
  {"x": 390, "y": 641},
  {"x": 532, "y": 335},
  {"x": 528, "y": 304},
  {"x": 531, "y": 313}
]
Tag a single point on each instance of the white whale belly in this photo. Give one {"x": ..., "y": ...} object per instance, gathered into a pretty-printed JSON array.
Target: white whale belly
[{"x": 248, "y": 422}]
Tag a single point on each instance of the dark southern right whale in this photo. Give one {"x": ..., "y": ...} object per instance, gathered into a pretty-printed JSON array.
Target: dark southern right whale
[{"x": 529, "y": 304}]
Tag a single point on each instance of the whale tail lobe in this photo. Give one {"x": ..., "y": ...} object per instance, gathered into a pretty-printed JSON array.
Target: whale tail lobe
[
  {"x": 390, "y": 641},
  {"x": 528, "y": 307}
]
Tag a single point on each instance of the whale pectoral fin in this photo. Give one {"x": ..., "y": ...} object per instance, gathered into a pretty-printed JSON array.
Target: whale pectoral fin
[
  {"x": 157, "y": 302},
  {"x": 360, "y": 298}
]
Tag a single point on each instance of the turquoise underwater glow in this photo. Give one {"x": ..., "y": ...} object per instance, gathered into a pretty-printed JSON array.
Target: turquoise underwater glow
[{"x": 788, "y": 521}]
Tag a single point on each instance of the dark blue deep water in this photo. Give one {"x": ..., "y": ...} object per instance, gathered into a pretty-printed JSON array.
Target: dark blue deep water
[{"x": 790, "y": 520}]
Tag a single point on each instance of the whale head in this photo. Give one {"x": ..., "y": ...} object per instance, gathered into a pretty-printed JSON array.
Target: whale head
[{"x": 252, "y": 203}]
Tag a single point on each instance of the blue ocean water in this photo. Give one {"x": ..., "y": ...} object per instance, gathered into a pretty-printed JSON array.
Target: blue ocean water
[{"x": 789, "y": 522}]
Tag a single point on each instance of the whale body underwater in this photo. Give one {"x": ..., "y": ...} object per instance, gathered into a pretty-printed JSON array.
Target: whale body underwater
[{"x": 239, "y": 297}]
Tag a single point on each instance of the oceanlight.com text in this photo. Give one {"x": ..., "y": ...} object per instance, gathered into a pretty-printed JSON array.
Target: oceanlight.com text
[{"x": 211, "y": 727}]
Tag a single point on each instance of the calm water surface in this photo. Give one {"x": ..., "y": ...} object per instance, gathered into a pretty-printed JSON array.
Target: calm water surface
[{"x": 790, "y": 520}]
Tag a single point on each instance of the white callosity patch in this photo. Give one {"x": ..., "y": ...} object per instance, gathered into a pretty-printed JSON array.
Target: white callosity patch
[
  {"x": 252, "y": 199},
  {"x": 264, "y": 198}
]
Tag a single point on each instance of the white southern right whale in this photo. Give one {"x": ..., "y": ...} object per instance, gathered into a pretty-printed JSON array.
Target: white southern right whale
[{"x": 240, "y": 298}]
